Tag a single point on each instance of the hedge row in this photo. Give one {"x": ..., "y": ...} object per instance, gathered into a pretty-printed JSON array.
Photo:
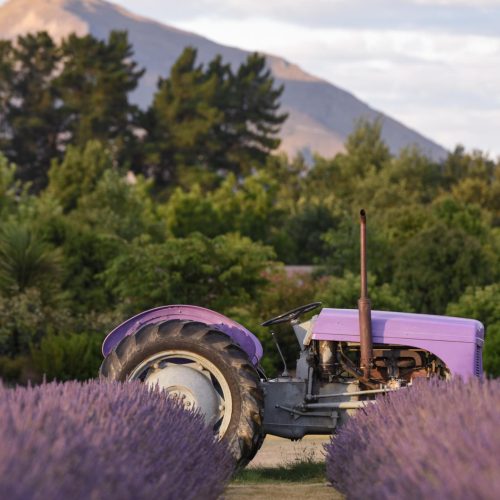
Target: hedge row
[
  {"x": 433, "y": 440},
  {"x": 102, "y": 440}
]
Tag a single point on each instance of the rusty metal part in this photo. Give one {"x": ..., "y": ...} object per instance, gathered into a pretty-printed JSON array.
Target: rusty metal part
[
  {"x": 327, "y": 357},
  {"x": 353, "y": 370},
  {"x": 364, "y": 307}
]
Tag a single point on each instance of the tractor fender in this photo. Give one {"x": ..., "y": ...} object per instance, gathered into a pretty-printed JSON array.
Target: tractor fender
[{"x": 238, "y": 333}]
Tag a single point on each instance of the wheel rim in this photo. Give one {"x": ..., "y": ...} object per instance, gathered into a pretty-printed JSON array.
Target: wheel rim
[{"x": 194, "y": 380}]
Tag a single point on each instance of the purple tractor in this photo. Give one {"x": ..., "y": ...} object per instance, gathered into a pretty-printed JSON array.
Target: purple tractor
[{"x": 347, "y": 356}]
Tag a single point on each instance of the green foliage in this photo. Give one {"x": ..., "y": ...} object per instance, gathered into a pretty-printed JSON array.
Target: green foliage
[
  {"x": 87, "y": 254},
  {"x": 118, "y": 207},
  {"x": 491, "y": 354},
  {"x": 11, "y": 369},
  {"x": 9, "y": 187},
  {"x": 248, "y": 207},
  {"x": 483, "y": 304},
  {"x": 30, "y": 114},
  {"x": 218, "y": 273},
  {"x": 365, "y": 148},
  {"x": 213, "y": 205},
  {"x": 26, "y": 317},
  {"x": 344, "y": 293},
  {"x": 436, "y": 266},
  {"x": 211, "y": 118},
  {"x": 192, "y": 211},
  {"x": 79, "y": 173},
  {"x": 94, "y": 86},
  {"x": 26, "y": 261},
  {"x": 68, "y": 356}
]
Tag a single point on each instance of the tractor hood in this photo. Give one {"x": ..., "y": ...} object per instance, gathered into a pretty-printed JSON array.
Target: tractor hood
[{"x": 456, "y": 341}]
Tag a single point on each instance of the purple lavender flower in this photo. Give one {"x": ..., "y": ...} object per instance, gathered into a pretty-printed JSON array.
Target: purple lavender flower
[
  {"x": 434, "y": 440},
  {"x": 105, "y": 440}
]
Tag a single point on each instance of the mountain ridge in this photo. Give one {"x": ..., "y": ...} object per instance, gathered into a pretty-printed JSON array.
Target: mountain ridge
[{"x": 321, "y": 115}]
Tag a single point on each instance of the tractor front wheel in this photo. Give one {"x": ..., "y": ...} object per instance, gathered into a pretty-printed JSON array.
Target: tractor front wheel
[{"x": 203, "y": 367}]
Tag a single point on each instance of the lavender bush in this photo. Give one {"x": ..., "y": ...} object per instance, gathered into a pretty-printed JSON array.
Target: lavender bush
[
  {"x": 434, "y": 440},
  {"x": 103, "y": 440}
]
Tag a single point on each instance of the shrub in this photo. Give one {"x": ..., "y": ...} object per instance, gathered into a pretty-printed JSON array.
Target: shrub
[
  {"x": 25, "y": 318},
  {"x": 434, "y": 440},
  {"x": 104, "y": 440},
  {"x": 68, "y": 356},
  {"x": 11, "y": 368}
]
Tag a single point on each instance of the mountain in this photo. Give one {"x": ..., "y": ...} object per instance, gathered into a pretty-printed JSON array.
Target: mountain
[{"x": 321, "y": 115}]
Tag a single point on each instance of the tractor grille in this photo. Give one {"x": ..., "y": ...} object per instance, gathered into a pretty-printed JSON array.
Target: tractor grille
[{"x": 478, "y": 365}]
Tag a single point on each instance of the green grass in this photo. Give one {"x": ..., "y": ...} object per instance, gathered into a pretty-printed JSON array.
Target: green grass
[{"x": 306, "y": 471}]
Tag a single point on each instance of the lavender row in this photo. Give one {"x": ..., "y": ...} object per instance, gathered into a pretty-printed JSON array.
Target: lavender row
[
  {"x": 102, "y": 440},
  {"x": 434, "y": 440}
]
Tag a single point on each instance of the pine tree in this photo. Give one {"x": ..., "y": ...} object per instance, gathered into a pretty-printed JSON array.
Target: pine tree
[
  {"x": 30, "y": 118},
  {"x": 94, "y": 85},
  {"x": 251, "y": 116},
  {"x": 181, "y": 119},
  {"x": 210, "y": 118}
]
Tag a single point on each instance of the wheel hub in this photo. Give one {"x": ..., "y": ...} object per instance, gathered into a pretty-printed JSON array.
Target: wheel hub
[{"x": 190, "y": 384}]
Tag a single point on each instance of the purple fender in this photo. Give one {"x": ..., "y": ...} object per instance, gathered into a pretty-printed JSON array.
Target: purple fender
[
  {"x": 238, "y": 333},
  {"x": 456, "y": 341}
]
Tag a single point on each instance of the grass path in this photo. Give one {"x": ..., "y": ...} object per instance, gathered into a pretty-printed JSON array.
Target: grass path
[
  {"x": 279, "y": 491},
  {"x": 284, "y": 470}
]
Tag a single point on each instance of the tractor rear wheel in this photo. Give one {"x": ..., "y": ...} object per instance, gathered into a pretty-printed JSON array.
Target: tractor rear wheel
[{"x": 201, "y": 365}]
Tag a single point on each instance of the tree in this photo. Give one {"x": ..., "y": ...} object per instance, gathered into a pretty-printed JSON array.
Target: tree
[
  {"x": 218, "y": 273},
  {"x": 344, "y": 292},
  {"x": 9, "y": 187},
  {"x": 119, "y": 207},
  {"x": 435, "y": 267},
  {"x": 26, "y": 261},
  {"x": 211, "y": 118},
  {"x": 252, "y": 121},
  {"x": 181, "y": 119},
  {"x": 31, "y": 300},
  {"x": 79, "y": 173},
  {"x": 482, "y": 304},
  {"x": 365, "y": 148},
  {"x": 94, "y": 84},
  {"x": 491, "y": 356},
  {"x": 6, "y": 81},
  {"x": 31, "y": 120}
]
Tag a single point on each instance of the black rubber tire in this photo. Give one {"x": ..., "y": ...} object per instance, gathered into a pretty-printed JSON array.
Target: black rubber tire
[{"x": 244, "y": 434}]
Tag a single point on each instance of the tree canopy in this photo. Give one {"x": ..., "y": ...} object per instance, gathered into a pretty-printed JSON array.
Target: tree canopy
[{"x": 106, "y": 209}]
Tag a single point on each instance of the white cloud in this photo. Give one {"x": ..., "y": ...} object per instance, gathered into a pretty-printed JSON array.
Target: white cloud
[
  {"x": 444, "y": 85},
  {"x": 477, "y": 16},
  {"x": 432, "y": 64},
  {"x": 470, "y": 3}
]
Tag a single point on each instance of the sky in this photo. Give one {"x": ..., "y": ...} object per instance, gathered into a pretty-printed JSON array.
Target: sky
[{"x": 432, "y": 64}]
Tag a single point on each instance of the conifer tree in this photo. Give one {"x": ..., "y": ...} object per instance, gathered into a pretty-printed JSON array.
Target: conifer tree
[
  {"x": 211, "y": 118},
  {"x": 94, "y": 86},
  {"x": 30, "y": 118}
]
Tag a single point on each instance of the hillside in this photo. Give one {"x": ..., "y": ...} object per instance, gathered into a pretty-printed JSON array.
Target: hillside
[{"x": 321, "y": 114}]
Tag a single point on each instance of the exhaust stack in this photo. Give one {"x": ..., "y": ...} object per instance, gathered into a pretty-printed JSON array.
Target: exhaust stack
[{"x": 364, "y": 307}]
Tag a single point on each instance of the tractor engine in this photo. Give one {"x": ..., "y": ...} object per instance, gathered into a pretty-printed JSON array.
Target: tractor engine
[{"x": 393, "y": 365}]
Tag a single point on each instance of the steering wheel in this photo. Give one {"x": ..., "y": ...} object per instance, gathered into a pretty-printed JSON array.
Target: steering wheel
[{"x": 291, "y": 315}]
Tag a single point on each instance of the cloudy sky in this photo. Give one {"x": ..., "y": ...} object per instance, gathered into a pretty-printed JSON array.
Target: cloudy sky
[{"x": 433, "y": 64}]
